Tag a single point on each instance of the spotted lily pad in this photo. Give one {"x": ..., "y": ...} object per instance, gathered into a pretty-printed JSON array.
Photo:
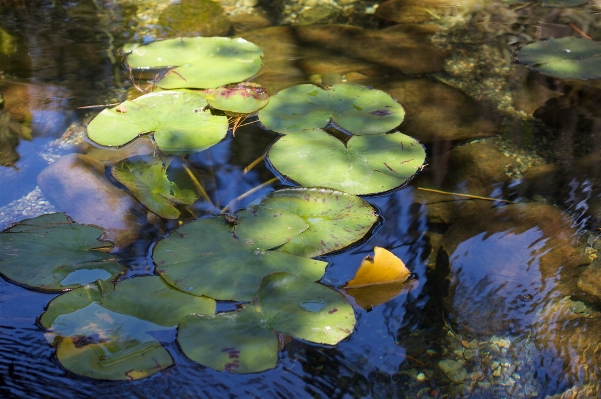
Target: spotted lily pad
[
  {"x": 357, "y": 109},
  {"x": 180, "y": 122},
  {"x": 242, "y": 98},
  {"x": 146, "y": 177},
  {"x": 565, "y": 58},
  {"x": 198, "y": 62},
  {"x": 112, "y": 332},
  {"x": 228, "y": 261},
  {"x": 366, "y": 165},
  {"x": 245, "y": 341},
  {"x": 53, "y": 253},
  {"x": 336, "y": 219}
]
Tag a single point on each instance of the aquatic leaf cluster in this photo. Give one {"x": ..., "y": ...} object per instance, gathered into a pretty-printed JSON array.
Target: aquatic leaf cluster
[{"x": 261, "y": 257}]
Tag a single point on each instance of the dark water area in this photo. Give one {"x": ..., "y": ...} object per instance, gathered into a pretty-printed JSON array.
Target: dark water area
[{"x": 500, "y": 230}]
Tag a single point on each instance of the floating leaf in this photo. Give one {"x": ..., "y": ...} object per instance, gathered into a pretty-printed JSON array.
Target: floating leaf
[
  {"x": 245, "y": 341},
  {"x": 146, "y": 177},
  {"x": 565, "y": 58},
  {"x": 51, "y": 252},
  {"x": 366, "y": 165},
  {"x": 357, "y": 109},
  {"x": 109, "y": 332},
  {"x": 336, "y": 219},
  {"x": 179, "y": 119},
  {"x": 385, "y": 267},
  {"x": 227, "y": 262},
  {"x": 242, "y": 98},
  {"x": 198, "y": 62}
]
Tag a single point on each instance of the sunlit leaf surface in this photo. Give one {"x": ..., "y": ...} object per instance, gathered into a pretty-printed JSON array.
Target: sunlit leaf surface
[
  {"x": 357, "y": 109},
  {"x": 365, "y": 165},
  {"x": 108, "y": 331},
  {"x": 245, "y": 341},
  {"x": 198, "y": 62},
  {"x": 566, "y": 58},
  {"x": 242, "y": 98},
  {"x": 146, "y": 177},
  {"x": 51, "y": 252},
  {"x": 335, "y": 219},
  {"x": 179, "y": 120},
  {"x": 228, "y": 261}
]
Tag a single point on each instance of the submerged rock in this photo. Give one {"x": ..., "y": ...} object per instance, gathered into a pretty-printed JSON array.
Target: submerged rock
[
  {"x": 195, "y": 18},
  {"x": 77, "y": 185},
  {"x": 503, "y": 265}
]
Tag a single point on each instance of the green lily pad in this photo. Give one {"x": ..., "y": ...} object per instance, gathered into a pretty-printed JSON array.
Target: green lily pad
[
  {"x": 366, "y": 165},
  {"x": 53, "y": 253},
  {"x": 227, "y": 262},
  {"x": 357, "y": 109},
  {"x": 107, "y": 331},
  {"x": 179, "y": 119},
  {"x": 336, "y": 219},
  {"x": 242, "y": 98},
  {"x": 245, "y": 341},
  {"x": 198, "y": 62},
  {"x": 565, "y": 58},
  {"x": 146, "y": 177}
]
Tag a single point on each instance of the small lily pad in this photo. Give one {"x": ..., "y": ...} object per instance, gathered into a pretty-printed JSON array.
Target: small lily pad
[
  {"x": 245, "y": 341},
  {"x": 565, "y": 58},
  {"x": 336, "y": 219},
  {"x": 146, "y": 177},
  {"x": 180, "y": 121},
  {"x": 241, "y": 98},
  {"x": 366, "y": 165},
  {"x": 198, "y": 62},
  {"x": 53, "y": 253},
  {"x": 227, "y": 262},
  {"x": 107, "y": 331},
  {"x": 357, "y": 109}
]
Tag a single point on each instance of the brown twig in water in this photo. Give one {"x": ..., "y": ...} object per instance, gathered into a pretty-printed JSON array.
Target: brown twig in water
[
  {"x": 431, "y": 190},
  {"x": 249, "y": 192},
  {"x": 580, "y": 31}
]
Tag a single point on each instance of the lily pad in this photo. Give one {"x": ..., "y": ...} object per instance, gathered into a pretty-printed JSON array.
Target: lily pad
[
  {"x": 242, "y": 98},
  {"x": 198, "y": 62},
  {"x": 110, "y": 332},
  {"x": 565, "y": 58},
  {"x": 53, "y": 253},
  {"x": 357, "y": 109},
  {"x": 146, "y": 177},
  {"x": 180, "y": 121},
  {"x": 227, "y": 262},
  {"x": 366, "y": 165},
  {"x": 245, "y": 341},
  {"x": 336, "y": 219}
]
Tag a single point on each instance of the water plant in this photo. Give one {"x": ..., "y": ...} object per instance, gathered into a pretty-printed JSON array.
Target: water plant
[{"x": 260, "y": 256}]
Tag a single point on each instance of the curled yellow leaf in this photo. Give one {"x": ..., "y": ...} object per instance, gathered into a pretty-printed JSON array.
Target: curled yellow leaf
[{"x": 385, "y": 267}]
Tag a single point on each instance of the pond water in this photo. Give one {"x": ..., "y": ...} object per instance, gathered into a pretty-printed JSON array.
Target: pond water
[{"x": 500, "y": 229}]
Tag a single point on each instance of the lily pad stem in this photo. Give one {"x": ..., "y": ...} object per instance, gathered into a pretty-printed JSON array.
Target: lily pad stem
[
  {"x": 249, "y": 192},
  {"x": 198, "y": 186},
  {"x": 254, "y": 163},
  {"x": 431, "y": 190}
]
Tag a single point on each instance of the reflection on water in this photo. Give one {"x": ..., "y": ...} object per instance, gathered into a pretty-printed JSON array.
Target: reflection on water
[{"x": 506, "y": 308}]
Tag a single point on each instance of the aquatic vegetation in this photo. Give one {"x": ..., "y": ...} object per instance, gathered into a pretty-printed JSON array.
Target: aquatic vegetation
[
  {"x": 53, "y": 253},
  {"x": 357, "y": 109},
  {"x": 565, "y": 58},
  {"x": 365, "y": 165},
  {"x": 241, "y": 98},
  {"x": 146, "y": 177}
]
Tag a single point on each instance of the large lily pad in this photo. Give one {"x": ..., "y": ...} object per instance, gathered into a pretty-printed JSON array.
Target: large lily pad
[
  {"x": 146, "y": 177},
  {"x": 53, "y": 253},
  {"x": 227, "y": 262},
  {"x": 198, "y": 62},
  {"x": 366, "y": 165},
  {"x": 179, "y": 120},
  {"x": 357, "y": 109},
  {"x": 566, "y": 58},
  {"x": 110, "y": 332},
  {"x": 336, "y": 219},
  {"x": 245, "y": 341}
]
